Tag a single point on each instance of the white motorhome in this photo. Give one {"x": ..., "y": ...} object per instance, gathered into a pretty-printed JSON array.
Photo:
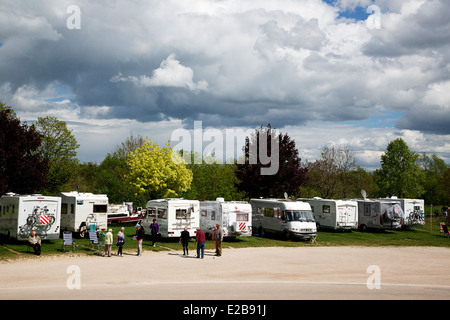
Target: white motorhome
[
  {"x": 83, "y": 212},
  {"x": 234, "y": 217},
  {"x": 379, "y": 214},
  {"x": 22, "y": 214},
  {"x": 172, "y": 216},
  {"x": 414, "y": 210},
  {"x": 286, "y": 217},
  {"x": 334, "y": 214}
]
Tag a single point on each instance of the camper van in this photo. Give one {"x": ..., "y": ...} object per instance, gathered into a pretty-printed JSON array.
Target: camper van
[
  {"x": 22, "y": 214},
  {"x": 334, "y": 214},
  {"x": 234, "y": 217},
  {"x": 379, "y": 214},
  {"x": 172, "y": 216},
  {"x": 414, "y": 210},
  {"x": 285, "y": 217},
  {"x": 83, "y": 212}
]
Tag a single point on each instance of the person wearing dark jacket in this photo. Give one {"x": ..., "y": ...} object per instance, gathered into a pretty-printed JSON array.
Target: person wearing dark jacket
[
  {"x": 184, "y": 240},
  {"x": 218, "y": 238},
  {"x": 154, "y": 228}
]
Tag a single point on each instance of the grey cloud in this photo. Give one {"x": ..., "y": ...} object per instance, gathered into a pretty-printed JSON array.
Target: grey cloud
[
  {"x": 428, "y": 28},
  {"x": 429, "y": 119},
  {"x": 260, "y": 66}
]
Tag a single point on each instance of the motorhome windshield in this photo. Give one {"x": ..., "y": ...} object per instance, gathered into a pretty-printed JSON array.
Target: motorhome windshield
[{"x": 299, "y": 215}]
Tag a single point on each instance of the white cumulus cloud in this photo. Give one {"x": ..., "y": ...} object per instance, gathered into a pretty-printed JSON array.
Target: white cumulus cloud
[{"x": 171, "y": 73}]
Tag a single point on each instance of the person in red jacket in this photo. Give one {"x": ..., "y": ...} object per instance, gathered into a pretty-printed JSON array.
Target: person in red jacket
[{"x": 200, "y": 241}]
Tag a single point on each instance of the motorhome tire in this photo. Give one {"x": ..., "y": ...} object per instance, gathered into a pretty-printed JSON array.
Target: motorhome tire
[
  {"x": 317, "y": 226},
  {"x": 363, "y": 227}
]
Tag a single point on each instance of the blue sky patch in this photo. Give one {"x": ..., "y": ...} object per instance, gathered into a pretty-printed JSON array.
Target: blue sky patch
[
  {"x": 358, "y": 13},
  {"x": 385, "y": 119}
]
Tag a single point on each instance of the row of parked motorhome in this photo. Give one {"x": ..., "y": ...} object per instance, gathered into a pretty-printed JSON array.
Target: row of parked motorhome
[{"x": 83, "y": 212}]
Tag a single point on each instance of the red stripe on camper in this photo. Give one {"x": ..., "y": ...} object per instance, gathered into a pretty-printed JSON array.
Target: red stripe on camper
[
  {"x": 242, "y": 226},
  {"x": 44, "y": 220}
]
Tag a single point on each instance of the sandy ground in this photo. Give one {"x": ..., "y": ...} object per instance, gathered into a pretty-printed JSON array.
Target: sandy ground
[{"x": 356, "y": 273}]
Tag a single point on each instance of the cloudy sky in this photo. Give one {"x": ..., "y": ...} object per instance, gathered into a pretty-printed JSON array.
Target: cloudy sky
[{"x": 355, "y": 73}]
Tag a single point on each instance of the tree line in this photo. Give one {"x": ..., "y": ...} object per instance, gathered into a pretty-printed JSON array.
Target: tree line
[{"x": 42, "y": 158}]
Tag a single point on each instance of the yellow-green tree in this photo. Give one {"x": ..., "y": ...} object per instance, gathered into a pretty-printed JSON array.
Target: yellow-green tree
[{"x": 157, "y": 172}]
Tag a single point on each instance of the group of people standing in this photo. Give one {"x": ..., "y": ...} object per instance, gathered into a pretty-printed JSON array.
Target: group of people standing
[
  {"x": 120, "y": 241},
  {"x": 139, "y": 237},
  {"x": 217, "y": 237}
]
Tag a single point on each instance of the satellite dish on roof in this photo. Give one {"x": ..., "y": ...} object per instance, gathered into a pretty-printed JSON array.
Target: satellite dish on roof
[{"x": 364, "y": 194}]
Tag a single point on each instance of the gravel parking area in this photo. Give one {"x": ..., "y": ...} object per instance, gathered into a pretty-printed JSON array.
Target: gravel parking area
[{"x": 350, "y": 273}]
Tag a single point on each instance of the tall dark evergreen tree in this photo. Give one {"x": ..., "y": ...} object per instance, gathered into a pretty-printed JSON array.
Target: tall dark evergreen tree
[{"x": 254, "y": 181}]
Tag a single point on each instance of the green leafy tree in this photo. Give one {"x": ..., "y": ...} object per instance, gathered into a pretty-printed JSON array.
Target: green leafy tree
[
  {"x": 212, "y": 179},
  {"x": 59, "y": 148},
  {"x": 446, "y": 188},
  {"x": 433, "y": 169},
  {"x": 157, "y": 172},
  {"x": 84, "y": 178},
  {"x": 22, "y": 168},
  {"x": 400, "y": 174},
  {"x": 110, "y": 180}
]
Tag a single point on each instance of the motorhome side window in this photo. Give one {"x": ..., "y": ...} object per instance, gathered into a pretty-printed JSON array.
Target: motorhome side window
[
  {"x": 277, "y": 213},
  {"x": 162, "y": 213},
  {"x": 268, "y": 212},
  {"x": 367, "y": 210},
  {"x": 64, "y": 208},
  {"x": 100, "y": 208},
  {"x": 204, "y": 212},
  {"x": 242, "y": 217},
  {"x": 181, "y": 213},
  {"x": 213, "y": 215},
  {"x": 326, "y": 209},
  {"x": 260, "y": 210},
  {"x": 151, "y": 212},
  {"x": 72, "y": 208}
]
